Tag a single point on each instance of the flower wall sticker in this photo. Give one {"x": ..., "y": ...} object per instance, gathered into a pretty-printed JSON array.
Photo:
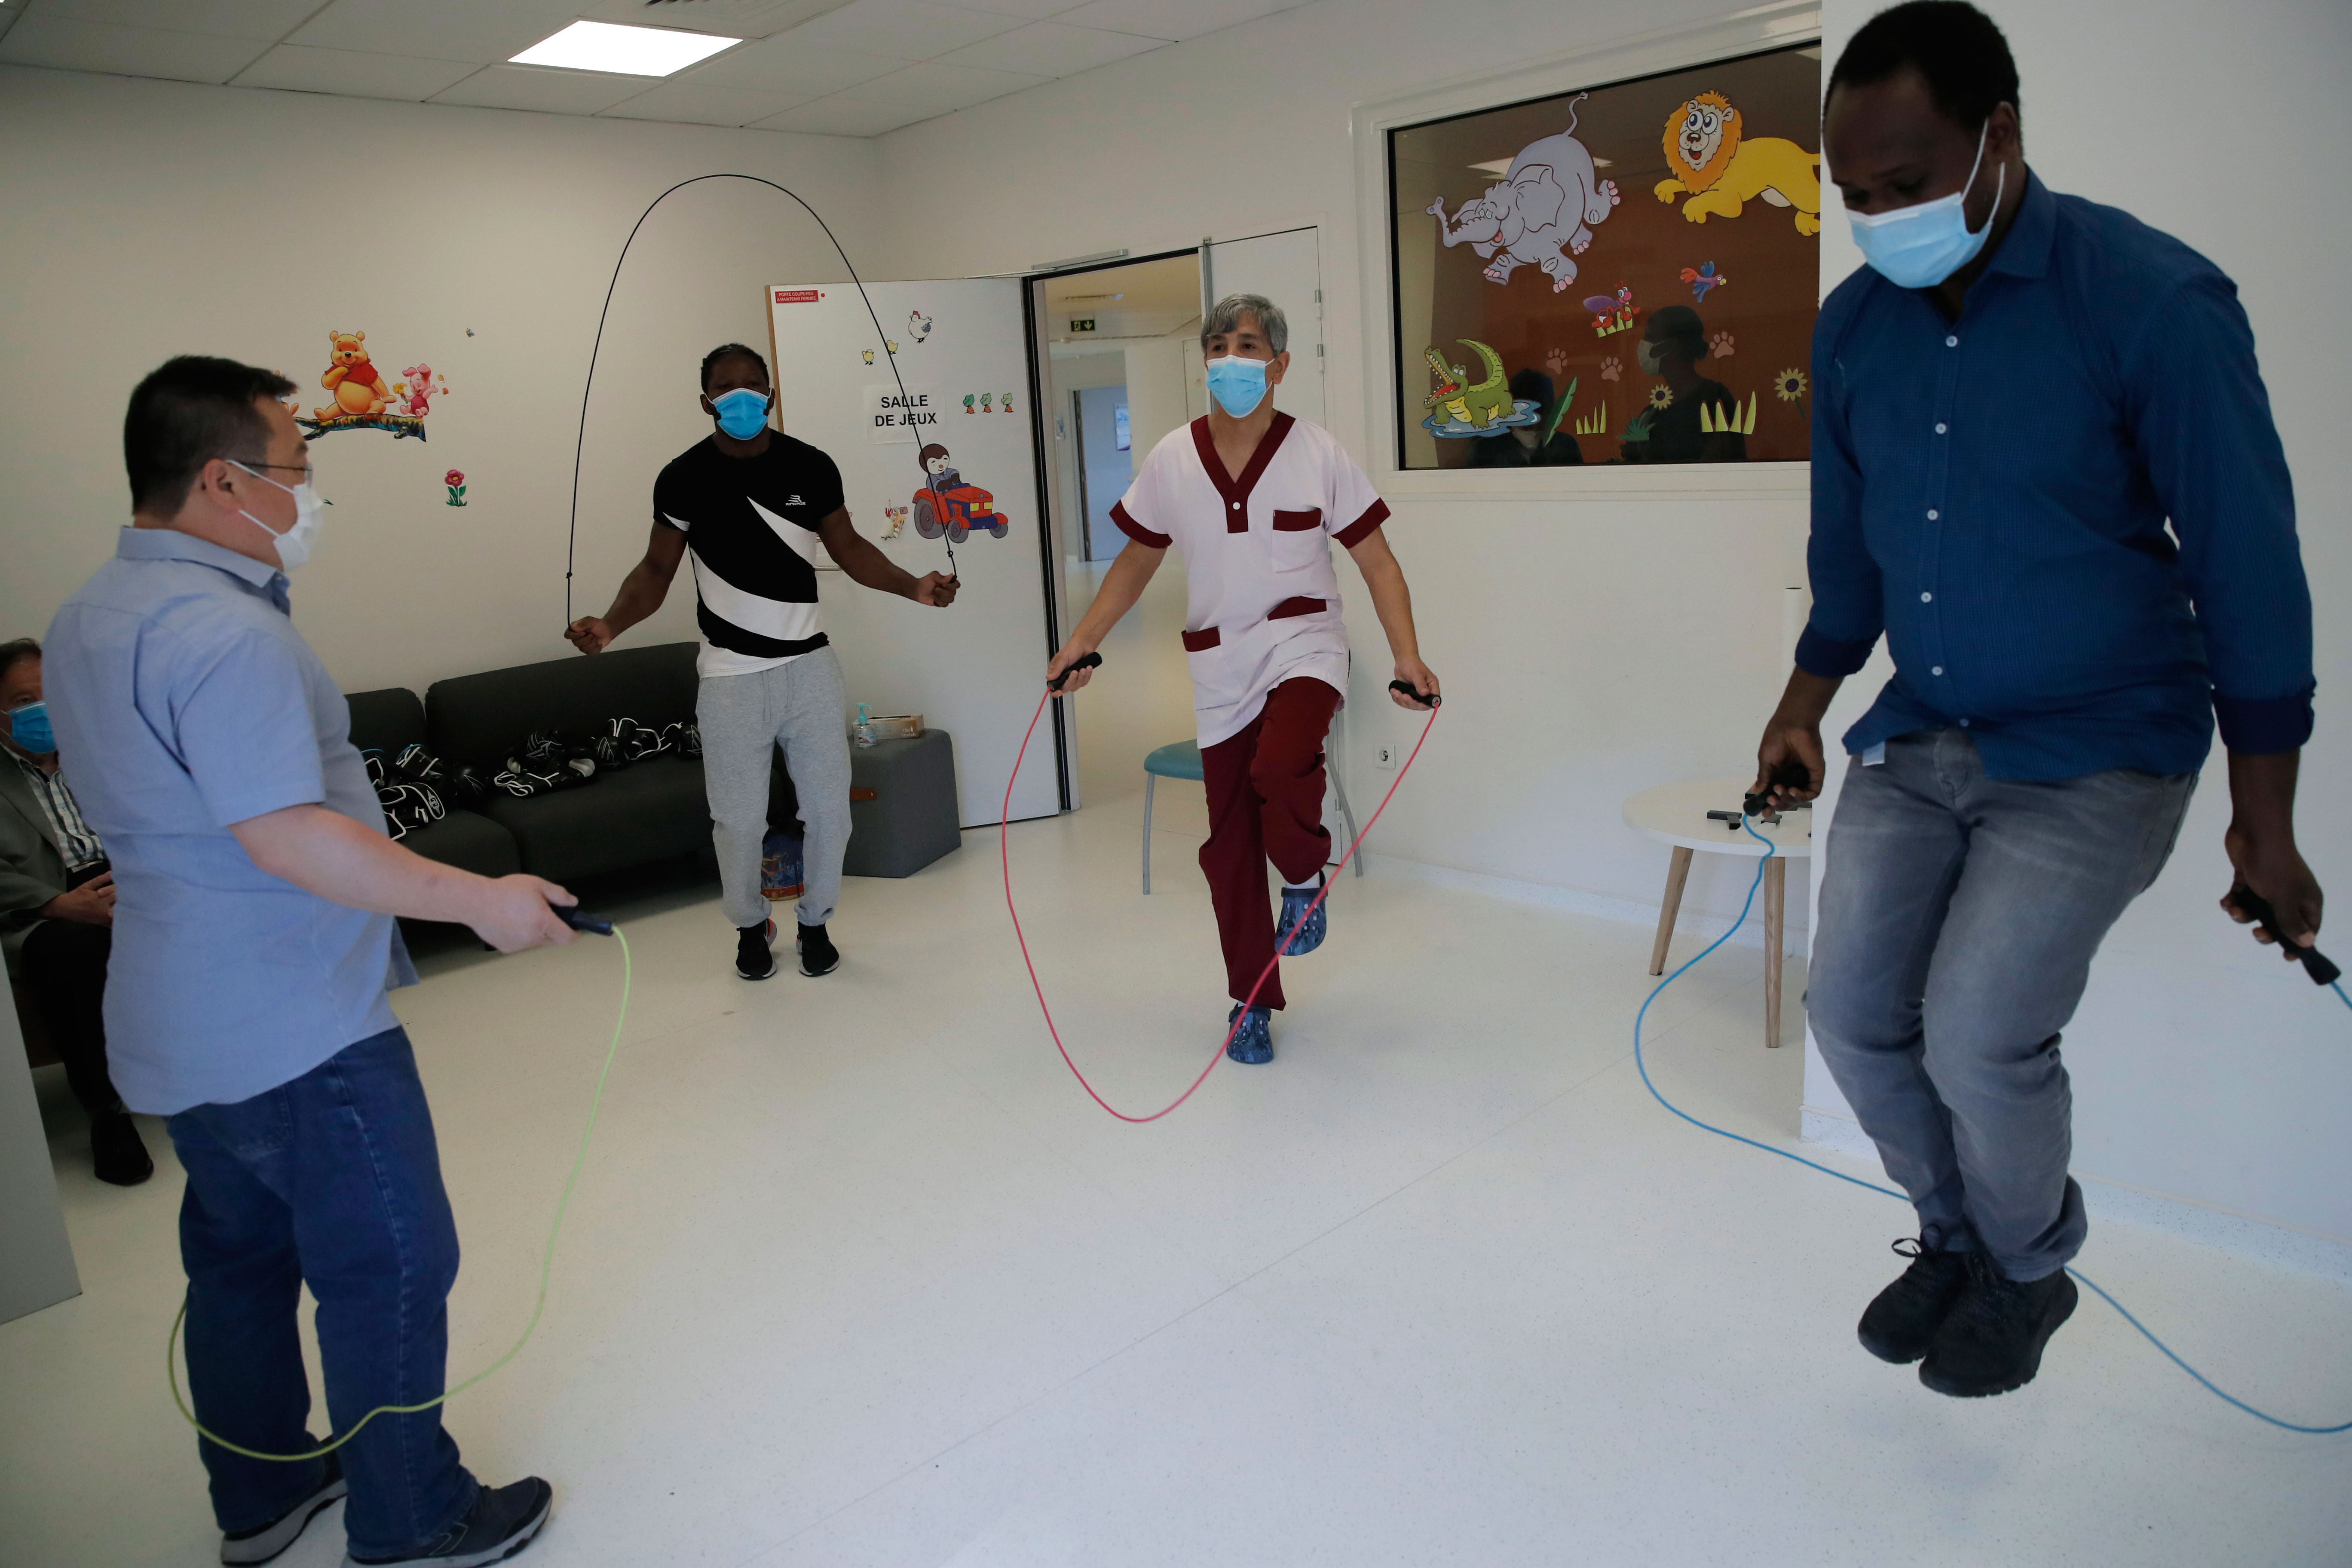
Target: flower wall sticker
[
  {"x": 1661, "y": 396},
  {"x": 1611, "y": 369},
  {"x": 1720, "y": 346},
  {"x": 1791, "y": 385},
  {"x": 456, "y": 483}
]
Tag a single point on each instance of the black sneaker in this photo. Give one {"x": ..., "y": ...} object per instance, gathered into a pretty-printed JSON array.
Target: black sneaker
[
  {"x": 261, "y": 1544},
  {"x": 1902, "y": 1320},
  {"x": 500, "y": 1524},
  {"x": 1992, "y": 1341},
  {"x": 752, "y": 959},
  {"x": 116, "y": 1150},
  {"x": 818, "y": 956}
]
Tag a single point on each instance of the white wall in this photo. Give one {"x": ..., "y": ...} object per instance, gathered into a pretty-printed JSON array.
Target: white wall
[
  {"x": 2202, "y": 1069},
  {"x": 149, "y": 219},
  {"x": 1567, "y": 688}
]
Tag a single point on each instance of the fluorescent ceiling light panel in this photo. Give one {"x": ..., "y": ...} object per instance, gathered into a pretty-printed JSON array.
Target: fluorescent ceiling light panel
[{"x": 623, "y": 51}]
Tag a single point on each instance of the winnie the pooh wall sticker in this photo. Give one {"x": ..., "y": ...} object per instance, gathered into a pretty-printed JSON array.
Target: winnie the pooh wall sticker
[{"x": 362, "y": 400}]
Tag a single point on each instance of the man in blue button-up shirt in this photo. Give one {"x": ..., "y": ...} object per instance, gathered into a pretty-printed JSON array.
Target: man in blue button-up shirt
[
  {"x": 245, "y": 996},
  {"x": 2044, "y": 468}
]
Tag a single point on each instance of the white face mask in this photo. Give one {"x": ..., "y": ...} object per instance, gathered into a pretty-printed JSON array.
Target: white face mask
[{"x": 293, "y": 545}]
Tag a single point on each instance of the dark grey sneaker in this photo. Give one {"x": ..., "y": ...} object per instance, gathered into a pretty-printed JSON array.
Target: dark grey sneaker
[
  {"x": 1902, "y": 1320},
  {"x": 1991, "y": 1341},
  {"x": 818, "y": 956},
  {"x": 502, "y": 1524},
  {"x": 260, "y": 1545},
  {"x": 752, "y": 959}
]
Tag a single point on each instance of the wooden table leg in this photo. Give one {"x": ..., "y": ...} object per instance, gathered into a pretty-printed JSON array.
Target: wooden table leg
[
  {"x": 1776, "y": 900},
  {"x": 1677, "y": 873}
]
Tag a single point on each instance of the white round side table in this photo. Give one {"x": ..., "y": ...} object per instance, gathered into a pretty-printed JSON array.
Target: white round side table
[{"x": 1675, "y": 813}]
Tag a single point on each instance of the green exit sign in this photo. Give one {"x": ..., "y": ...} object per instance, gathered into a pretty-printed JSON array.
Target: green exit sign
[{"x": 1086, "y": 324}]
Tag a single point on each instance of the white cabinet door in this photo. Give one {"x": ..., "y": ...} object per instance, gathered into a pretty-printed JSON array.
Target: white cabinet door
[
  {"x": 973, "y": 668},
  {"x": 1283, "y": 268}
]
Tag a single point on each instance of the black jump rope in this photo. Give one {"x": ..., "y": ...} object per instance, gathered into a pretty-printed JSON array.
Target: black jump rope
[{"x": 1788, "y": 774}]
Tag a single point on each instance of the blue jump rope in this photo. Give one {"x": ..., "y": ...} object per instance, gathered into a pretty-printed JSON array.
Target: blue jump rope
[{"x": 2321, "y": 971}]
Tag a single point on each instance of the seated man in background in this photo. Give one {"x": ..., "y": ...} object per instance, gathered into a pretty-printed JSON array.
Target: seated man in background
[
  {"x": 56, "y": 911},
  {"x": 753, "y": 505}
]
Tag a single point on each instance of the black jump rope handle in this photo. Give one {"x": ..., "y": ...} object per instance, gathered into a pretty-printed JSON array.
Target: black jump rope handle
[
  {"x": 581, "y": 920},
  {"x": 1791, "y": 774},
  {"x": 1408, "y": 687},
  {"x": 2314, "y": 963},
  {"x": 1084, "y": 662}
]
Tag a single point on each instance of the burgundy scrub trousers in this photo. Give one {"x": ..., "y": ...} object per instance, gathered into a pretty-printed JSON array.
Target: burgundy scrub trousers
[{"x": 1265, "y": 802}]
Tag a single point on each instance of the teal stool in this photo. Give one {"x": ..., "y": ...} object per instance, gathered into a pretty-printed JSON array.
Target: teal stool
[{"x": 1181, "y": 759}]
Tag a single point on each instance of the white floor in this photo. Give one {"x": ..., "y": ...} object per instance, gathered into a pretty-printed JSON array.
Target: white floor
[{"x": 857, "y": 1276}]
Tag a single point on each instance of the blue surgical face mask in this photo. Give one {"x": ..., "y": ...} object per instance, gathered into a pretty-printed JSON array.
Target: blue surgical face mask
[
  {"x": 742, "y": 413},
  {"x": 1238, "y": 385},
  {"x": 1919, "y": 246},
  {"x": 29, "y": 727}
]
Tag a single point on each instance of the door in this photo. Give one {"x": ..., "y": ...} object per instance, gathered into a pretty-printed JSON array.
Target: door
[
  {"x": 973, "y": 668},
  {"x": 1286, "y": 269}
]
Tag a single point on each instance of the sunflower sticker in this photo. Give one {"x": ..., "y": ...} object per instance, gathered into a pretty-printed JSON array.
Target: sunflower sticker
[{"x": 1790, "y": 387}]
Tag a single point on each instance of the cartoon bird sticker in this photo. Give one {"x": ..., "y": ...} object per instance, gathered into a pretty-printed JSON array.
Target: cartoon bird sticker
[
  {"x": 1703, "y": 279},
  {"x": 1611, "y": 312}
]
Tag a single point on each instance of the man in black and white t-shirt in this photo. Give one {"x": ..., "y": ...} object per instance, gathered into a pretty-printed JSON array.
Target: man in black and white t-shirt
[{"x": 752, "y": 505}]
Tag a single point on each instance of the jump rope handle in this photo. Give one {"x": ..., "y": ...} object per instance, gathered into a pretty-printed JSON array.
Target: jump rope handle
[
  {"x": 2314, "y": 963},
  {"x": 1084, "y": 662},
  {"x": 1791, "y": 774},
  {"x": 1408, "y": 687},
  {"x": 580, "y": 919}
]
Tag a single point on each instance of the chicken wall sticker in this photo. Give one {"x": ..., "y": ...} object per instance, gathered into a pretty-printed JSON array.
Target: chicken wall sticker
[
  {"x": 1722, "y": 171},
  {"x": 1541, "y": 212},
  {"x": 362, "y": 400}
]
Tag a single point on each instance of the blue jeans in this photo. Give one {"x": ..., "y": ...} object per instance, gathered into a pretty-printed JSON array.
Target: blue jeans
[
  {"x": 333, "y": 1179},
  {"x": 1959, "y": 917}
]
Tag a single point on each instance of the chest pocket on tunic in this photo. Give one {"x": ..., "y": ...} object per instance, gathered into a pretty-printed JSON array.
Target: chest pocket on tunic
[{"x": 1297, "y": 540}]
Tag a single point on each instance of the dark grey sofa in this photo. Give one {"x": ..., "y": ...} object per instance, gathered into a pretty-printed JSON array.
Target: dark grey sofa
[{"x": 652, "y": 810}]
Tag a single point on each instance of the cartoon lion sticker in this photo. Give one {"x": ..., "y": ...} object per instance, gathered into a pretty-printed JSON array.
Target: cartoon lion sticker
[{"x": 1723, "y": 173}]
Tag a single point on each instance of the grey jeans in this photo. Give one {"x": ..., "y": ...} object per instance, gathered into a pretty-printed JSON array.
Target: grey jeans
[
  {"x": 801, "y": 707},
  {"x": 1959, "y": 916}
]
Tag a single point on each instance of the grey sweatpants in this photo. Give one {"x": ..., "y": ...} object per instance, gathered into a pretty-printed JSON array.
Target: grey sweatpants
[
  {"x": 1959, "y": 917},
  {"x": 801, "y": 707}
]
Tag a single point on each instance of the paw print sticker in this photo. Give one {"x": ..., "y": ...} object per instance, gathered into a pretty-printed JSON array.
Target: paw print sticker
[
  {"x": 1720, "y": 346},
  {"x": 1556, "y": 362},
  {"x": 1612, "y": 368}
]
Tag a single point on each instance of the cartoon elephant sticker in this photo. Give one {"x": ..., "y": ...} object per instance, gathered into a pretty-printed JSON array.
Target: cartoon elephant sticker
[{"x": 1547, "y": 201}]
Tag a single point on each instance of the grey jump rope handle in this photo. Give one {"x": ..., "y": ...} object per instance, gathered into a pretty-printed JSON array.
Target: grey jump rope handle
[
  {"x": 1084, "y": 662},
  {"x": 580, "y": 919},
  {"x": 2314, "y": 963}
]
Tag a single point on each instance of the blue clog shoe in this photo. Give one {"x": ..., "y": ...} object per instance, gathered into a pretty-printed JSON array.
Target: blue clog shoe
[
  {"x": 1293, "y": 904},
  {"x": 1253, "y": 1042}
]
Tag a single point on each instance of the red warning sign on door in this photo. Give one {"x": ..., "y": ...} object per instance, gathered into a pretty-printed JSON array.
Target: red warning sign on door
[{"x": 799, "y": 296}]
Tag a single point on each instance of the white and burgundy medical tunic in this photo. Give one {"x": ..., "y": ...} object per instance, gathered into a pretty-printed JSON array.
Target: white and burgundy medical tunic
[{"x": 1262, "y": 601}]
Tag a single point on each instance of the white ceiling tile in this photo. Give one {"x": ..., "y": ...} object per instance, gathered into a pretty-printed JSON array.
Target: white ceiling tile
[
  {"x": 352, "y": 74},
  {"x": 1171, "y": 18},
  {"x": 1049, "y": 49},
  {"x": 40, "y": 40},
  {"x": 734, "y": 19},
  {"x": 935, "y": 89},
  {"x": 1032, "y": 10},
  {"x": 788, "y": 65},
  {"x": 839, "y": 116},
  {"x": 694, "y": 104},
  {"x": 472, "y": 31},
  {"x": 549, "y": 91},
  {"x": 266, "y": 20},
  {"x": 902, "y": 29}
]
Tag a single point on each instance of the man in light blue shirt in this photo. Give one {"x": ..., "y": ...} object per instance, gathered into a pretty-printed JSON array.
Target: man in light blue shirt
[{"x": 256, "y": 889}]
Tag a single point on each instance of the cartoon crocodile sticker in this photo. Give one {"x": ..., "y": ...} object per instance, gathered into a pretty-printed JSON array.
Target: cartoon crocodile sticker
[{"x": 1477, "y": 405}]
